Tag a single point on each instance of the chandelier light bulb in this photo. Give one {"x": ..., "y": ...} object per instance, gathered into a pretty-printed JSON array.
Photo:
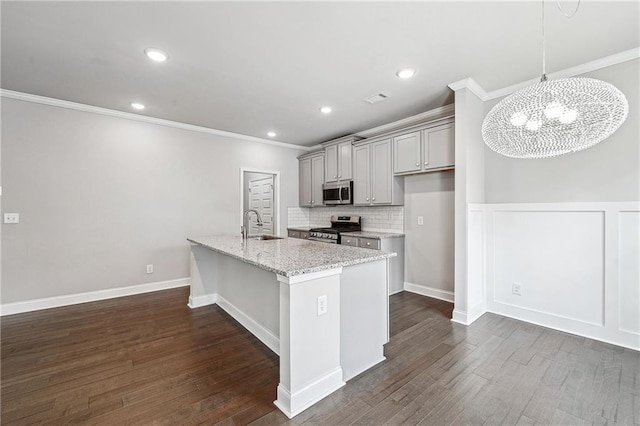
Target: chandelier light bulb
[
  {"x": 554, "y": 110},
  {"x": 518, "y": 119},
  {"x": 569, "y": 116},
  {"x": 533, "y": 125}
]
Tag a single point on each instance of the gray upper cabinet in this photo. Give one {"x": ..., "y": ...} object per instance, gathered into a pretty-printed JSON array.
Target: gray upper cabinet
[
  {"x": 361, "y": 175},
  {"x": 338, "y": 165},
  {"x": 438, "y": 147},
  {"x": 424, "y": 150},
  {"x": 373, "y": 180},
  {"x": 406, "y": 153},
  {"x": 311, "y": 178}
]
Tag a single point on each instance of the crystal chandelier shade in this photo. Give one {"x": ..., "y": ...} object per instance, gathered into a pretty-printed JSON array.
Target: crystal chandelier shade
[{"x": 554, "y": 117}]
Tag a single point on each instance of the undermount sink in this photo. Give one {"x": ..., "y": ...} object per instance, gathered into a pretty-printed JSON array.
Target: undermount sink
[{"x": 264, "y": 237}]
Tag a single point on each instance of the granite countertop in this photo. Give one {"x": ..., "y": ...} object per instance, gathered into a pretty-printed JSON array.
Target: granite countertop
[
  {"x": 299, "y": 228},
  {"x": 371, "y": 234},
  {"x": 290, "y": 256}
]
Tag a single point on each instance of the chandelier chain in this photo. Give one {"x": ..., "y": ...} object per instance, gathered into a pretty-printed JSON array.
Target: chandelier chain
[
  {"x": 544, "y": 50},
  {"x": 571, "y": 15}
]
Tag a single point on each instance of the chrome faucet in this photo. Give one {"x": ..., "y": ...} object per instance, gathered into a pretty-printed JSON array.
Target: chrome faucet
[{"x": 244, "y": 229}]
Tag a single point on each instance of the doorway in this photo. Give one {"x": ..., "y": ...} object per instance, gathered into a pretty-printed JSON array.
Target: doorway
[{"x": 260, "y": 191}]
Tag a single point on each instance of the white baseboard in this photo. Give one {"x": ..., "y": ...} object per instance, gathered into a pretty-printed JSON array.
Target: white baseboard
[
  {"x": 265, "y": 336},
  {"x": 459, "y": 317},
  {"x": 92, "y": 296},
  {"x": 424, "y": 290},
  {"x": 292, "y": 404},
  {"x": 200, "y": 301}
]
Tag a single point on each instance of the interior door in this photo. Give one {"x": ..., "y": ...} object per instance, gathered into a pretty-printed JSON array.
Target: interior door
[{"x": 261, "y": 198}]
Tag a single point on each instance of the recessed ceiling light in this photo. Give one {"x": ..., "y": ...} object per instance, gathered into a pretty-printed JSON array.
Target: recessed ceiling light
[
  {"x": 138, "y": 105},
  {"x": 271, "y": 134},
  {"x": 156, "y": 54},
  {"x": 325, "y": 109},
  {"x": 406, "y": 73}
]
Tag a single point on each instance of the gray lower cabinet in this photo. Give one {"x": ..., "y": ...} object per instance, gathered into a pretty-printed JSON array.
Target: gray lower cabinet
[
  {"x": 294, "y": 233},
  {"x": 396, "y": 264}
]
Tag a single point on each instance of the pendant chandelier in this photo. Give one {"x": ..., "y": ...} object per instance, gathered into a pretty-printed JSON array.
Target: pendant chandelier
[{"x": 554, "y": 117}]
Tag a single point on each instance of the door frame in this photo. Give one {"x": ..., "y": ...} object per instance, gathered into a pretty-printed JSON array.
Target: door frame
[{"x": 276, "y": 184}]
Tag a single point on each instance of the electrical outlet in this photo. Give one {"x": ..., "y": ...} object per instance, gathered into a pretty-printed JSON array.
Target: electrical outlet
[
  {"x": 12, "y": 218},
  {"x": 149, "y": 269},
  {"x": 322, "y": 305},
  {"x": 420, "y": 220},
  {"x": 516, "y": 288}
]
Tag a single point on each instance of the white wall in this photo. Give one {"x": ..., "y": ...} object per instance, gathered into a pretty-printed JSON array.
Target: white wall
[
  {"x": 429, "y": 249},
  {"x": 101, "y": 197}
]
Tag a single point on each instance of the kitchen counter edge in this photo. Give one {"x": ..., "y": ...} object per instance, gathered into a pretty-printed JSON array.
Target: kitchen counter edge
[{"x": 292, "y": 256}]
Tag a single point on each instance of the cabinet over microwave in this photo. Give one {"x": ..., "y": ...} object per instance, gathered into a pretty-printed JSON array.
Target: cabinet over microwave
[{"x": 334, "y": 193}]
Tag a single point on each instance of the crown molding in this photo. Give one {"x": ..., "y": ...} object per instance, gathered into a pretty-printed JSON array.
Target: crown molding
[
  {"x": 607, "y": 61},
  {"x": 434, "y": 114},
  {"x": 471, "y": 85},
  {"x": 27, "y": 97}
]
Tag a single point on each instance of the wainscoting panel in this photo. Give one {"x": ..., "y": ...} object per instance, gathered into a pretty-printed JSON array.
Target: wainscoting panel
[
  {"x": 629, "y": 271},
  {"x": 575, "y": 264},
  {"x": 557, "y": 259}
]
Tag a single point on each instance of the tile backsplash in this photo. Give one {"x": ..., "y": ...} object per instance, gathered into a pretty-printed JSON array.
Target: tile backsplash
[{"x": 381, "y": 219}]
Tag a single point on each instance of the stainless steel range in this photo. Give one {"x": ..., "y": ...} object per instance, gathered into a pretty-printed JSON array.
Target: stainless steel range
[{"x": 338, "y": 224}]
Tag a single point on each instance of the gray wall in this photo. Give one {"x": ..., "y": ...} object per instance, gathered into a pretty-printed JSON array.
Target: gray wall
[
  {"x": 101, "y": 197},
  {"x": 429, "y": 248},
  {"x": 609, "y": 171}
]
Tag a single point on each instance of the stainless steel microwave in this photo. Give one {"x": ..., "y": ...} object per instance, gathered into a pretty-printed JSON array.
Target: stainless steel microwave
[{"x": 337, "y": 193}]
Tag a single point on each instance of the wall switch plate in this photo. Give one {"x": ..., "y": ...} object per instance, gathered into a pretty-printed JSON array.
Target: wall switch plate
[
  {"x": 420, "y": 220},
  {"x": 149, "y": 269},
  {"x": 322, "y": 305},
  {"x": 516, "y": 288},
  {"x": 12, "y": 218}
]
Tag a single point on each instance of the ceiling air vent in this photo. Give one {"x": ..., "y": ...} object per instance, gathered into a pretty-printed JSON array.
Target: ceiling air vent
[{"x": 378, "y": 97}]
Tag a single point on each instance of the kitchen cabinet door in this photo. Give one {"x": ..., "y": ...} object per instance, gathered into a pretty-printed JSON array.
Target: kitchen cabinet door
[
  {"x": 438, "y": 147},
  {"x": 344, "y": 161},
  {"x": 361, "y": 175},
  {"x": 311, "y": 178},
  {"x": 317, "y": 179},
  {"x": 304, "y": 182},
  {"x": 406, "y": 153},
  {"x": 331, "y": 163},
  {"x": 381, "y": 172}
]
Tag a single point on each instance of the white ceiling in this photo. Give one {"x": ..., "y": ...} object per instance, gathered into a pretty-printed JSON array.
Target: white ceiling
[{"x": 249, "y": 67}]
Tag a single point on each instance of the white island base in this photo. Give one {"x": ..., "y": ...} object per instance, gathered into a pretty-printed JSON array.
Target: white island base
[{"x": 318, "y": 352}]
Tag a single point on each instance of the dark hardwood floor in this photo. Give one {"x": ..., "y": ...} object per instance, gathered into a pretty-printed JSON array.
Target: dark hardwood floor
[{"x": 149, "y": 359}]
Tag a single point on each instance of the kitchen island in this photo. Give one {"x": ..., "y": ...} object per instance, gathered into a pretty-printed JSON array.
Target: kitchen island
[{"x": 323, "y": 308}]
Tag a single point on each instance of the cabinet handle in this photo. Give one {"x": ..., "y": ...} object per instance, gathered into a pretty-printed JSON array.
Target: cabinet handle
[
  {"x": 426, "y": 162},
  {"x": 334, "y": 176},
  {"x": 368, "y": 244},
  {"x": 418, "y": 164},
  {"x": 373, "y": 199},
  {"x": 367, "y": 198},
  {"x": 339, "y": 176}
]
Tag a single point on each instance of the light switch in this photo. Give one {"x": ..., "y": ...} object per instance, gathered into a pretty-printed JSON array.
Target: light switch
[
  {"x": 420, "y": 220},
  {"x": 12, "y": 218}
]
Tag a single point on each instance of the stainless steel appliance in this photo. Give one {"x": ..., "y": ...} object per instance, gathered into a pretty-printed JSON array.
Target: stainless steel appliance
[
  {"x": 338, "y": 224},
  {"x": 334, "y": 193}
]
